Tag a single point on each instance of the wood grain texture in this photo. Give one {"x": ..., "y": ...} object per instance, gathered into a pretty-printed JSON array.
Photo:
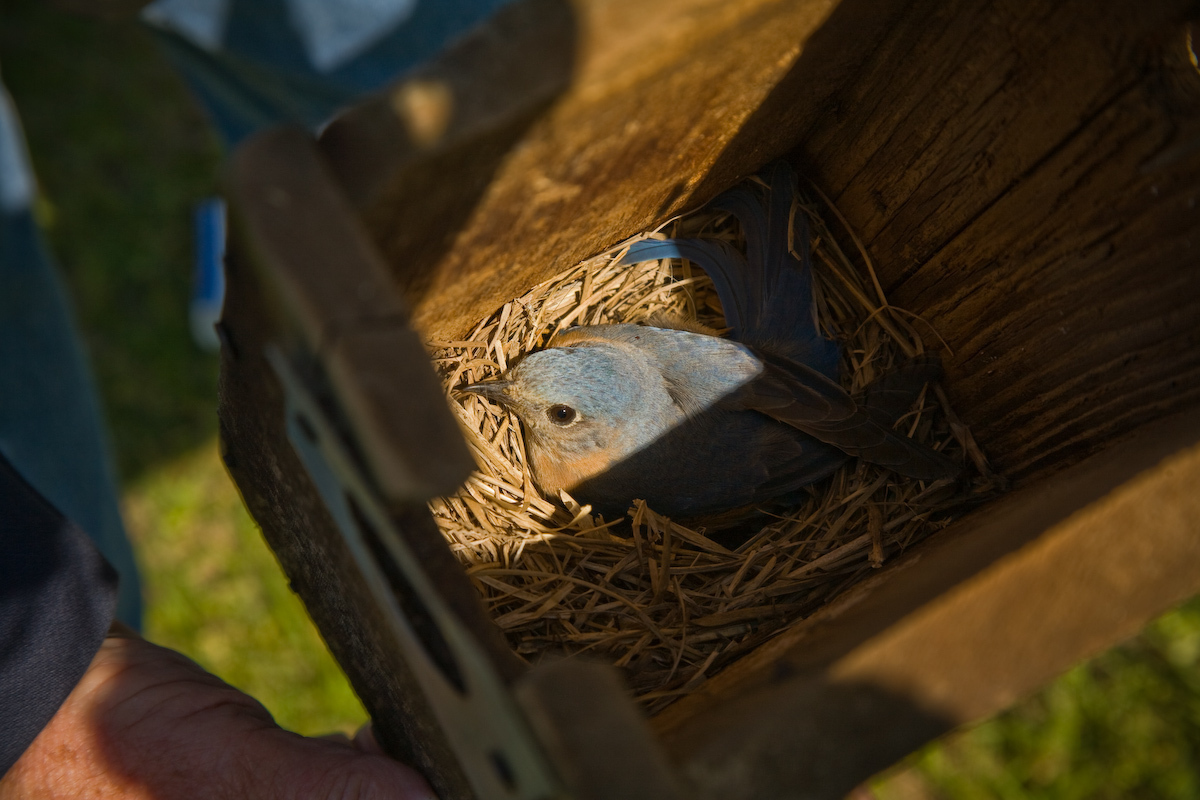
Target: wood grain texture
[
  {"x": 1026, "y": 176},
  {"x": 302, "y": 278},
  {"x": 977, "y": 617},
  {"x": 320, "y": 569},
  {"x": 657, "y": 91},
  {"x": 336, "y": 303},
  {"x": 597, "y": 737}
]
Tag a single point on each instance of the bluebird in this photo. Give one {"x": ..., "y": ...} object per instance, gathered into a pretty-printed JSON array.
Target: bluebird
[{"x": 697, "y": 424}]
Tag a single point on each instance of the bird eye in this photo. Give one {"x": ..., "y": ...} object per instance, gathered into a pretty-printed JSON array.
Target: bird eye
[{"x": 560, "y": 414}]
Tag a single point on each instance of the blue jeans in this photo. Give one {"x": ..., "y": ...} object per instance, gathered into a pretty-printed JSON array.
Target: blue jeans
[{"x": 51, "y": 429}]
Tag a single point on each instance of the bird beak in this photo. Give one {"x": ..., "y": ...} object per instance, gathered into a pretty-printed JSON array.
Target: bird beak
[{"x": 493, "y": 390}]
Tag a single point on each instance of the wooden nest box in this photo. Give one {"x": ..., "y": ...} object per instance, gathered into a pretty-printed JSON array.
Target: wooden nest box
[{"x": 1026, "y": 177}]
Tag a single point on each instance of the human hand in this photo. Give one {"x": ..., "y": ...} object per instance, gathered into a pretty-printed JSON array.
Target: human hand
[{"x": 146, "y": 722}]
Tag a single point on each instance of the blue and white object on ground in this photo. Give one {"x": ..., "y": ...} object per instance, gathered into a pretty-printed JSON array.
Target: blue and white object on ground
[
  {"x": 256, "y": 63},
  {"x": 208, "y": 285}
]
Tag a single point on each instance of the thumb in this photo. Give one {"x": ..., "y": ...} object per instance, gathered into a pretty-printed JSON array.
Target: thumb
[
  {"x": 147, "y": 723},
  {"x": 291, "y": 766}
]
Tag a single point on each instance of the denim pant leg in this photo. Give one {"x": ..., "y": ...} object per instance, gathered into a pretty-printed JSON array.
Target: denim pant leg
[{"x": 51, "y": 428}]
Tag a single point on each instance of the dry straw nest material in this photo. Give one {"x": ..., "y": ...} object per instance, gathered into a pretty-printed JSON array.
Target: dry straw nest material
[{"x": 668, "y": 605}]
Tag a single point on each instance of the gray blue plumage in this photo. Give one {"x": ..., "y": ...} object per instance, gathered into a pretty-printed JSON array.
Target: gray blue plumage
[{"x": 699, "y": 425}]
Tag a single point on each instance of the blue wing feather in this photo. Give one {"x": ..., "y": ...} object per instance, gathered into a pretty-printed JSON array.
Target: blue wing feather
[
  {"x": 723, "y": 264},
  {"x": 767, "y": 295}
]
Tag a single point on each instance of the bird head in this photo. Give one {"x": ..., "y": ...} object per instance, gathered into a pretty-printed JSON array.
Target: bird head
[{"x": 583, "y": 409}]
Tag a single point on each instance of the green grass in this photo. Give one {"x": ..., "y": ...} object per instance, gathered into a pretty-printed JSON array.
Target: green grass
[
  {"x": 123, "y": 156},
  {"x": 214, "y": 591},
  {"x": 1125, "y": 725}
]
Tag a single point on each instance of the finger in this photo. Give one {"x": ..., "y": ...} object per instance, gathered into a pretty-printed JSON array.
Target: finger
[
  {"x": 365, "y": 740},
  {"x": 336, "y": 736},
  {"x": 146, "y": 722},
  {"x": 119, "y": 630},
  {"x": 291, "y": 766}
]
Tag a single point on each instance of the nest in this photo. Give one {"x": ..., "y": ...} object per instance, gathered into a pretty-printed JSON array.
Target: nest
[{"x": 668, "y": 605}]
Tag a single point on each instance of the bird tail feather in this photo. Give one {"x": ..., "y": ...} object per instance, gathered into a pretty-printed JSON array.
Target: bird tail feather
[{"x": 767, "y": 296}]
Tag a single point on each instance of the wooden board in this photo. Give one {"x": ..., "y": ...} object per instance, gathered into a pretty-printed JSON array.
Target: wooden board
[
  {"x": 652, "y": 94},
  {"x": 1027, "y": 177},
  {"x": 976, "y": 617}
]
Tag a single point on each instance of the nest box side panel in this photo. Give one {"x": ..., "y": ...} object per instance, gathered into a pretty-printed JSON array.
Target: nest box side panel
[
  {"x": 276, "y": 488},
  {"x": 653, "y": 94},
  {"x": 980, "y": 615},
  {"x": 1027, "y": 178}
]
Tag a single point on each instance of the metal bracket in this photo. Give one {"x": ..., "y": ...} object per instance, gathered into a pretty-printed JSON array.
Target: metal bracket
[{"x": 497, "y": 749}]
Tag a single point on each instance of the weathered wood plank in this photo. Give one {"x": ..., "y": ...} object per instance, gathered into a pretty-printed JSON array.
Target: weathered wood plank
[
  {"x": 320, "y": 569},
  {"x": 1022, "y": 174},
  {"x": 657, "y": 92},
  {"x": 303, "y": 279},
  {"x": 1074, "y": 300},
  {"x": 957, "y": 102},
  {"x": 978, "y": 616},
  {"x": 334, "y": 299}
]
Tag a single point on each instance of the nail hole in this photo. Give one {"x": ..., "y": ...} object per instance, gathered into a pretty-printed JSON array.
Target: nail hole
[
  {"x": 307, "y": 429},
  {"x": 503, "y": 769}
]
